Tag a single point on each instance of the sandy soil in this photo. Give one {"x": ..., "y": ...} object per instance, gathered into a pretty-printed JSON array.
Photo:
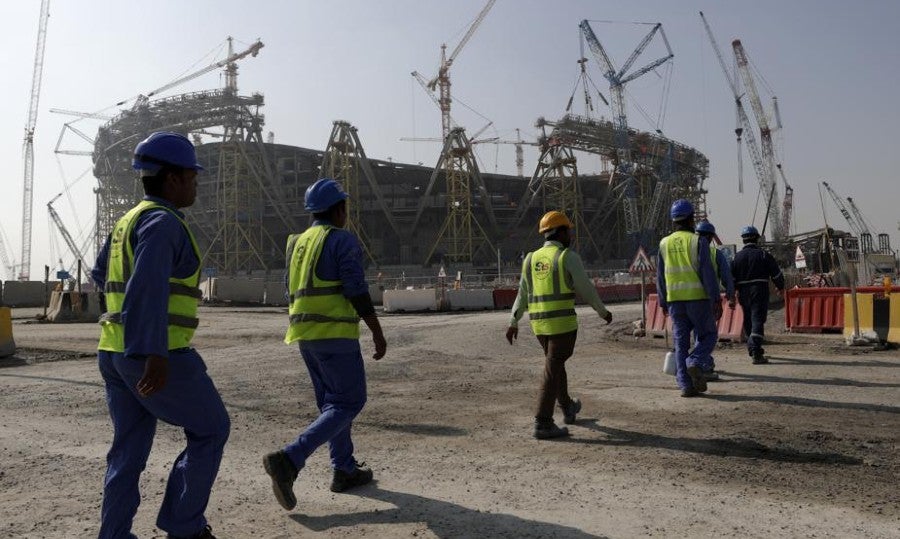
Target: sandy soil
[{"x": 804, "y": 447}]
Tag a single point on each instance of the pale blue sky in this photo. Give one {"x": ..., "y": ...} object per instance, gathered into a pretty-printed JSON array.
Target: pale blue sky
[{"x": 832, "y": 64}]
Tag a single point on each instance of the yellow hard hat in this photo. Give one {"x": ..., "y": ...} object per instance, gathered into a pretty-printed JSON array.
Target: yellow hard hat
[{"x": 554, "y": 219}]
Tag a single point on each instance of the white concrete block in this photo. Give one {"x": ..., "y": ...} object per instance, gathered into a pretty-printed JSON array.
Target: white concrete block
[
  {"x": 470, "y": 299},
  {"x": 23, "y": 293},
  {"x": 410, "y": 300}
]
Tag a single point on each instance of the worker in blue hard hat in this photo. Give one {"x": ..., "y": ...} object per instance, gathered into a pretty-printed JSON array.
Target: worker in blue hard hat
[
  {"x": 688, "y": 292},
  {"x": 328, "y": 297},
  {"x": 150, "y": 370},
  {"x": 752, "y": 269},
  {"x": 722, "y": 268}
]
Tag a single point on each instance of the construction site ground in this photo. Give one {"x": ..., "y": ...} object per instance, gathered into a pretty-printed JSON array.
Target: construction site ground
[{"x": 806, "y": 446}]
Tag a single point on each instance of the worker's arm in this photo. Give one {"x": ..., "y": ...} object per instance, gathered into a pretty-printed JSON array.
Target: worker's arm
[
  {"x": 707, "y": 274},
  {"x": 348, "y": 255},
  {"x": 661, "y": 281},
  {"x": 520, "y": 305},
  {"x": 583, "y": 286},
  {"x": 775, "y": 272},
  {"x": 725, "y": 276},
  {"x": 98, "y": 272}
]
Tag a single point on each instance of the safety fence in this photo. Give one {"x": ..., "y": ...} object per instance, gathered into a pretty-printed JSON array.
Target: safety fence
[
  {"x": 820, "y": 310},
  {"x": 730, "y": 325}
]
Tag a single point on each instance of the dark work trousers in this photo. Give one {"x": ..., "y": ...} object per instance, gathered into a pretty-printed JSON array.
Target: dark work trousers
[
  {"x": 754, "y": 300},
  {"x": 555, "y": 386}
]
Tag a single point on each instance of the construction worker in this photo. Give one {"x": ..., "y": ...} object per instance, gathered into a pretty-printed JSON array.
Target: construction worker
[
  {"x": 149, "y": 269},
  {"x": 551, "y": 276},
  {"x": 328, "y": 297},
  {"x": 688, "y": 292},
  {"x": 752, "y": 269},
  {"x": 723, "y": 272}
]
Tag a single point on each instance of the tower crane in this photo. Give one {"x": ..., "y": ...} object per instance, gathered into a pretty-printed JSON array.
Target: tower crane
[
  {"x": 4, "y": 257},
  {"x": 30, "y": 124},
  {"x": 65, "y": 234},
  {"x": 863, "y": 225},
  {"x": 441, "y": 81},
  {"x": 618, "y": 78}
]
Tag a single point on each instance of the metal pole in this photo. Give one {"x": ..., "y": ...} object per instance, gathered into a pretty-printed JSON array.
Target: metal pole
[
  {"x": 78, "y": 282},
  {"x": 643, "y": 302},
  {"x": 46, "y": 288}
]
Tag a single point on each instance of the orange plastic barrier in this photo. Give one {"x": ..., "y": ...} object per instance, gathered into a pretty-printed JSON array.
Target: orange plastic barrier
[
  {"x": 505, "y": 297},
  {"x": 730, "y": 325},
  {"x": 818, "y": 310}
]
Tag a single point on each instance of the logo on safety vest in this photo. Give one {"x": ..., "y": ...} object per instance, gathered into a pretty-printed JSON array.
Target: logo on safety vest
[{"x": 542, "y": 268}]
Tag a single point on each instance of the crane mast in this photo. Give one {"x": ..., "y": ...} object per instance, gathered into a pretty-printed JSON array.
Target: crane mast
[
  {"x": 30, "y": 124},
  {"x": 765, "y": 134},
  {"x": 787, "y": 206}
]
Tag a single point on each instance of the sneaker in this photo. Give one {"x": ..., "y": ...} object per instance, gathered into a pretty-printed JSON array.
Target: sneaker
[
  {"x": 360, "y": 475},
  {"x": 759, "y": 358},
  {"x": 205, "y": 534},
  {"x": 570, "y": 411},
  {"x": 689, "y": 392},
  {"x": 697, "y": 378},
  {"x": 283, "y": 473},
  {"x": 546, "y": 431}
]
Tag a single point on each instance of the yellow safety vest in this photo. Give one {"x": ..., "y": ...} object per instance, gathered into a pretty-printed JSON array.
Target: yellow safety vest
[
  {"x": 184, "y": 295},
  {"x": 551, "y": 301},
  {"x": 681, "y": 258},
  {"x": 318, "y": 310}
]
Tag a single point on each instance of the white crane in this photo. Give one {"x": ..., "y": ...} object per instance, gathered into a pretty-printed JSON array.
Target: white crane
[
  {"x": 30, "y": 123},
  {"x": 66, "y": 236}
]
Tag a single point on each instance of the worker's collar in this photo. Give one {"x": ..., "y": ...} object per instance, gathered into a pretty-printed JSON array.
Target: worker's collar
[
  {"x": 163, "y": 202},
  {"x": 548, "y": 243},
  {"x": 755, "y": 245},
  {"x": 322, "y": 222}
]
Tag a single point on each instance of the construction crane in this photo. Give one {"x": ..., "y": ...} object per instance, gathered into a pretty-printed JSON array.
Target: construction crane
[
  {"x": 30, "y": 124},
  {"x": 787, "y": 205},
  {"x": 73, "y": 247},
  {"x": 618, "y": 78},
  {"x": 765, "y": 135},
  {"x": 8, "y": 266},
  {"x": 441, "y": 81},
  {"x": 854, "y": 225}
]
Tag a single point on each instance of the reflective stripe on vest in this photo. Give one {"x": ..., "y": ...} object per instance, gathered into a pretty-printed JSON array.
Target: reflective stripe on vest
[
  {"x": 551, "y": 301},
  {"x": 184, "y": 294},
  {"x": 318, "y": 310},
  {"x": 680, "y": 255}
]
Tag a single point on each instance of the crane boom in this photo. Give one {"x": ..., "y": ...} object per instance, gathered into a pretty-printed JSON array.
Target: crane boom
[
  {"x": 472, "y": 28},
  {"x": 252, "y": 50},
  {"x": 65, "y": 234},
  {"x": 863, "y": 225},
  {"x": 787, "y": 206},
  {"x": 765, "y": 133},
  {"x": 4, "y": 257},
  {"x": 854, "y": 226},
  {"x": 30, "y": 124}
]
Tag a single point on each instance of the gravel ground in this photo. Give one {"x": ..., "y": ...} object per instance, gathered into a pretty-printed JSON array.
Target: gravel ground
[{"x": 806, "y": 446}]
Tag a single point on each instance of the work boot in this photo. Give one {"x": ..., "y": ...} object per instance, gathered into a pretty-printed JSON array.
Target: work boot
[
  {"x": 360, "y": 475},
  {"x": 711, "y": 376},
  {"x": 205, "y": 534},
  {"x": 283, "y": 473},
  {"x": 759, "y": 358},
  {"x": 697, "y": 378},
  {"x": 570, "y": 411},
  {"x": 689, "y": 392},
  {"x": 547, "y": 429}
]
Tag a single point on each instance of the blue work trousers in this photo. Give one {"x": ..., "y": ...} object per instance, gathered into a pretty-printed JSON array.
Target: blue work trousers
[
  {"x": 339, "y": 382},
  {"x": 188, "y": 400},
  {"x": 754, "y": 300},
  {"x": 696, "y": 316}
]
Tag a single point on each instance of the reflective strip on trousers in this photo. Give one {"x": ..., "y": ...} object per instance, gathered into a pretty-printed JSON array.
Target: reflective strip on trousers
[
  {"x": 309, "y": 317},
  {"x": 174, "y": 320}
]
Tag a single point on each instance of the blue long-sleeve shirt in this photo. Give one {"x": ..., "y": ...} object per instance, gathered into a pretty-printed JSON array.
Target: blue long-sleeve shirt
[
  {"x": 725, "y": 274},
  {"x": 707, "y": 274},
  {"x": 162, "y": 249}
]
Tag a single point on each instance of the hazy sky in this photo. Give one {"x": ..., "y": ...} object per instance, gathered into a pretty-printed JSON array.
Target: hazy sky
[{"x": 832, "y": 64}]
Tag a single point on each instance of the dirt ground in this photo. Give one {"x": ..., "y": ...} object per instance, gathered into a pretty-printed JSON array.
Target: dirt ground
[{"x": 806, "y": 446}]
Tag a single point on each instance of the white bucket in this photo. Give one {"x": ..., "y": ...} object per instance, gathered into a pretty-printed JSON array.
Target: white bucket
[{"x": 669, "y": 366}]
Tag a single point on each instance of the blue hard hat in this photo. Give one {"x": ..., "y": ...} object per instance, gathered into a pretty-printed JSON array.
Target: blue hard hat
[
  {"x": 165, "y": 148},
  {"x": 748, "y": 231},
  {"x": 681, "y": 209},
  {"x": 323, "y": 194},
  {"x": 705, "y": 227}
]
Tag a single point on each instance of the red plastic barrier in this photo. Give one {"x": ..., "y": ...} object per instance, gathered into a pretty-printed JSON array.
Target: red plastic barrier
[
  {"x": 730, "y": 325},
  {"x": 505, "y": 297},
  {"x": 817, "y": 310}
]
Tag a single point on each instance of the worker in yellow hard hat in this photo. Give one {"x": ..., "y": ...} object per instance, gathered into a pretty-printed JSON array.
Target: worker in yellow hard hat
[{"x": 551, "y": 276}]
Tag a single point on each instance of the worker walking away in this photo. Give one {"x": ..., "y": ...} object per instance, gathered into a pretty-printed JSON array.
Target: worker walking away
[
  {"x": 149, "y": 269},
  {"x": 688, "y": 291},
  {"x": 328, "y": 296},
  {"x": 722, "y": 269},
  {"x": 752, "y": 269},
  {"x": 551, "y": 276}
]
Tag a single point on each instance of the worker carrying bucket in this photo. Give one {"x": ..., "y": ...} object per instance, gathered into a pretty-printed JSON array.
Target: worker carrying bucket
[{"x": 551, "y": 276}]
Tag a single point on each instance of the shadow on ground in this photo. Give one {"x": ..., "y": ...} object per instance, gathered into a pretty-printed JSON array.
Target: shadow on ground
[{"x": 444, "y": 519}]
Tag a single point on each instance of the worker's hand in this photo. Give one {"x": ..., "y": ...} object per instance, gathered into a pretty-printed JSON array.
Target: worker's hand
[
  {"x": 380, "y": 345},
  {"x": 608, "y": 318},
  {"x": 512, "y": 333},
  {"x": 780, "y": 292},
  {"x": 156, "y": 371},
  {"x": 731, "y": 304},
  {"x": 717, "y": 309}
]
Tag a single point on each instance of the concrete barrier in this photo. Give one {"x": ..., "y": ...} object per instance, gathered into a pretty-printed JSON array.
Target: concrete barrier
[
  {"x": 470, "y": 299},
  {"x": 424, "y": 299},
  {"x": 504, "y": 298},
  {"x": 236, "y": 290},
  {"x": 7, "y": 343},
  {"x": 376, "y": 291},
  {"x": 23, "y": 293},
  {"x": 74, "y": 307},
  {"x": 879, "y": 317}
]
